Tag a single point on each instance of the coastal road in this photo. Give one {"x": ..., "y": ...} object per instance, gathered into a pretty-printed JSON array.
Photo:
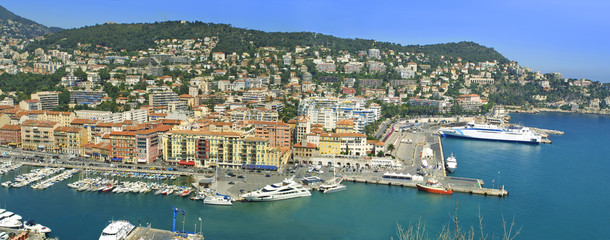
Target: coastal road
[{"x": 382, "y": 129}]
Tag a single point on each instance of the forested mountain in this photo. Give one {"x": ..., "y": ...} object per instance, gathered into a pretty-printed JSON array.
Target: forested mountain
[
  {"x": 15, "y": 26},
  {"x": 141, "y": 36}
]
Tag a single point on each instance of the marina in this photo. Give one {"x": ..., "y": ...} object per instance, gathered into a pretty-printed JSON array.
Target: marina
[
  {"x": 362, "y": 187},
  {"x": 428, "y": 164}
]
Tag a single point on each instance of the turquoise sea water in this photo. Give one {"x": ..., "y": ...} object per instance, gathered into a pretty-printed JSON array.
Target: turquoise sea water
[{"x": 557, "y": 191}]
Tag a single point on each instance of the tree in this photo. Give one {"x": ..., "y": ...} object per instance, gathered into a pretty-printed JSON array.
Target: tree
[
  {"x": 108, "y": 106},
  {"x": 391, "y": 147},
  {"x": 455, "y": 230},
  {"x": 80, "y": 74},
  {"x": 104, "y": 74},
  {"x": 64, "y": 97}
]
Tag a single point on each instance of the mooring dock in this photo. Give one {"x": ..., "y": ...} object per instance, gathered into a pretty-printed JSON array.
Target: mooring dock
[
  {"x": 463, "y": 185},
  {"x": 147, "y": 233},
  {"x": 89, "y": 167}
]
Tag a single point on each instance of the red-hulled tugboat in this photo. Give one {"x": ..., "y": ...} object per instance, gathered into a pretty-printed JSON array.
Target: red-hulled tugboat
[{"x": 432, "y": 186}]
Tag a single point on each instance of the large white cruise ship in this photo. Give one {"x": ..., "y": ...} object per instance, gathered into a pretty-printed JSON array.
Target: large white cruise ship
[
  {"x": 279, "y": 191},
  {"x": 493, "y": 132}
]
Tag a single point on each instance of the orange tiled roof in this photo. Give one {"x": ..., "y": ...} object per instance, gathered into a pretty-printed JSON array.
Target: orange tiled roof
[{"x": 10, "y": 127}]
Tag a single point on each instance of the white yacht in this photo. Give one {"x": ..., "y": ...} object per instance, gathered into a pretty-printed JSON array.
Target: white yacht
[
  {"x": 279, "y": 191},
  {"x": 451, "y": 163},
  {"x": 9, "y": 219},
  {"x": 7, "y": 184},
  {"x": 10, "y": 223},
  {"x": 333, "y": 185},
  {"x": 7, "y": 215},
  {"x": 117, "y": 230},
  {"x": 36, "y": 227},
  {"x": 217, "y": 199}
]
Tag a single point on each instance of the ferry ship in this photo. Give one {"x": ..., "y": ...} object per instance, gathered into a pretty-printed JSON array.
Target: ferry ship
[
  {"x": 493, "y": 132},
  {"x": 279, "y": 191}
]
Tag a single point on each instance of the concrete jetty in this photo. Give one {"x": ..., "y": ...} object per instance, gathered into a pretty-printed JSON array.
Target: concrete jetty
[
  {"x": 547, "y": 131},
  {"x": 462, "y": 185},
  {"x": 425, "y": 136},
  {"x": 442, "y": 160},
  {"x": 148, "y": 233}
]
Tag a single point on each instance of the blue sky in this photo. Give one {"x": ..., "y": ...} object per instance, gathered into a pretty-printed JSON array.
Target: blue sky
[{"x": 571, "y": 37}]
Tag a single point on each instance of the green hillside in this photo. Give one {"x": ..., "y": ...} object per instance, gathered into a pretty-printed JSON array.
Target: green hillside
[
  {"x": 14, "y": 26},
  {"x": 141, "y": 36}
]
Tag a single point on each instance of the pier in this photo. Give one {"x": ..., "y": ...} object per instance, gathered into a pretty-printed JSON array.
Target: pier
[
  {"x": 148, "y": 233},
  {"x": 547, "y": 131},
  {"x": 406, "y": 151},
  {"x": 102, "y": 168},
  {"x": 462, "y": 185},
  {"x": 545, "y": 134}
]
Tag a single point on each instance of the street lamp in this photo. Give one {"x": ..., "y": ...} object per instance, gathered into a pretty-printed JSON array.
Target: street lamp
[{"x": 200, "y": 227}]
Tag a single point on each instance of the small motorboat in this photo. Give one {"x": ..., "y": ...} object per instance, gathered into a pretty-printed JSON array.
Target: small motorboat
[
  {"x": 451, "y": 164},
  {"x": 185, "y": 193}
]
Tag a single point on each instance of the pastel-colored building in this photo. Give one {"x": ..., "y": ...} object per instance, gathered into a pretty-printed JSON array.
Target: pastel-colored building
[
  {"x": 38, "y": 135},
  {"x": 10, "y": 135}
]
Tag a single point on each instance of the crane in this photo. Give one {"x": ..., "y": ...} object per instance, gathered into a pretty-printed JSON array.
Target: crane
[{"x": 176, "y": 210}]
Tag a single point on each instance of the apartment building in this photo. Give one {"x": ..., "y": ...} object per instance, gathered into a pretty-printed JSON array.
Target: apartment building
[
  {"x": 10, "y": 135},
  {"x": 278, "y": 133},
  {"x": 38, "y": 135},
  {"x": 48, "y": 100},
  {"x": 69, "y": 140},
  {"x": 221, "y": 149}
]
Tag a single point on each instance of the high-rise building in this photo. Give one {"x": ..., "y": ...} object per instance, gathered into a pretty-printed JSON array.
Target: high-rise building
[
  {"x": 48, "y": 100},
  {"x": 327, "y": 111},
  {"x": 278, "y": 133},
  {"x": 162, "y": 99}
]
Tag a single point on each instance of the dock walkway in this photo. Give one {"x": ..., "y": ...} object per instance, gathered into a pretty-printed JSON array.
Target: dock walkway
[
  {"x": 147, "y": 233},
  {"x": 463, "y": 185},
  {"x": 37, "y": 164}
]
